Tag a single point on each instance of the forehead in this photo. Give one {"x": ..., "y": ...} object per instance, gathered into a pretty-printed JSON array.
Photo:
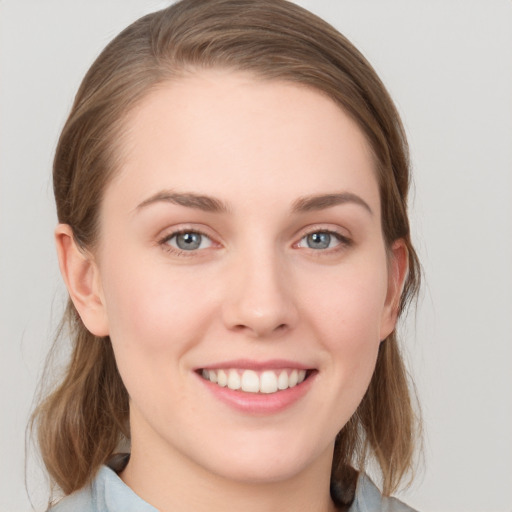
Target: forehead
[{"x": 220, "y": 132}]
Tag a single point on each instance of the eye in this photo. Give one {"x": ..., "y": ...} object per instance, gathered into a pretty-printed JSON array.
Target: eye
[
  {"x": 322, "y": 240},
  {"x": 188, "y": 241}
]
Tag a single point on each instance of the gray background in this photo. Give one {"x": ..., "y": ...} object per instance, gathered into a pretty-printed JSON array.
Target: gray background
[{"x": 448, "y": 65}]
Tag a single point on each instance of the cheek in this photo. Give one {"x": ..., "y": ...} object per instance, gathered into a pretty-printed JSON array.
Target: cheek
[
  {"x": 154, "y": 312},
  {"x": 350, "y": 305},
  {"x": 347, "y": 317},
  {"x": 153, "y": 321}
]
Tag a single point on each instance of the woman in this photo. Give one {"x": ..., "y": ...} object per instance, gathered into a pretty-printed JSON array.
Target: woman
[{"x": 231, "y": 189}]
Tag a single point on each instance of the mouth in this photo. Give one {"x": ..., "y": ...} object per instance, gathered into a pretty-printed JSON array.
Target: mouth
[{"x": 267, "y": 381}]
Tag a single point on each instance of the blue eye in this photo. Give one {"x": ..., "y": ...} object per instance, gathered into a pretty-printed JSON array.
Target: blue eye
[
  {"x": 320, "y": 240},
  {"x": 189, "y": 241}
]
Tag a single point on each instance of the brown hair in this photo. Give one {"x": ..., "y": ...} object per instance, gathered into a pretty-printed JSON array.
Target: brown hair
[{"x": 81, "y": 423}]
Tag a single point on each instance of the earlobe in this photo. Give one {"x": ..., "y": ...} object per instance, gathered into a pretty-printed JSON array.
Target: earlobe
[
  {"x": 397, "y": 276},
  {"x": 82, "y": 279}
]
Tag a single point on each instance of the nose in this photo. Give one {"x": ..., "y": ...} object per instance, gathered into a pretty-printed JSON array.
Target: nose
[{"x": 259, "y": 299}]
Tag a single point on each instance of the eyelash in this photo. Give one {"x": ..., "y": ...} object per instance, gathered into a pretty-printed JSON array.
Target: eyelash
[{"x": 343, "y": 241}]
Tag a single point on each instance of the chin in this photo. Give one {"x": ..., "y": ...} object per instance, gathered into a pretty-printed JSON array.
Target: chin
[{"x": 266, "y": 462}]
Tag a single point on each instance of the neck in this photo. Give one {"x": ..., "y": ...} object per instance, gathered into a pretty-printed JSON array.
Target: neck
[{"x": 171, "y": 482}]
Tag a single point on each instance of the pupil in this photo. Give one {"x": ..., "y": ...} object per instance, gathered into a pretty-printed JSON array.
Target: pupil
[
  {"x": 319, "y": 240},
  {"x": 188, "y": 241}
]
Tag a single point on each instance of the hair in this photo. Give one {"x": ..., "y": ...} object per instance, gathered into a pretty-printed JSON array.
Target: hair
[{"x": 81, "y": 422}]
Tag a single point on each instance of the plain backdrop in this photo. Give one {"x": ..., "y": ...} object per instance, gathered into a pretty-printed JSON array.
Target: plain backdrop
[{"x": 448, "y": 65}]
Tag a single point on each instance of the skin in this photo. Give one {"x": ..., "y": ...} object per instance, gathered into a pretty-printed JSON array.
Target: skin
[{"x": 254, "y": 290}]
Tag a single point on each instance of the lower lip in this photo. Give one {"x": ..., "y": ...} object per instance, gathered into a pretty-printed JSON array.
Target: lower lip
[{"x": 260, "y": 403}]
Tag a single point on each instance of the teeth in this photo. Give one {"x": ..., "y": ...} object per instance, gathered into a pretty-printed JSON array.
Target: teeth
[
  {"x": 282, "y": 381},
  {"x": 249, "y": 381},
  {"x": 268, "y": 382},
  {"x": 222, "y": 378},
  {"x": 293, "y": 378},
  {"x": 234, "y": 381}
]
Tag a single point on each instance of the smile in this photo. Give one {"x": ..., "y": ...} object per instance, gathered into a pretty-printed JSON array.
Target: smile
[{"x": 250, "y": 381}]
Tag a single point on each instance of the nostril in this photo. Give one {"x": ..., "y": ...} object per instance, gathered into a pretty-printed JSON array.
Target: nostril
[{"x": 242, "y": 327}]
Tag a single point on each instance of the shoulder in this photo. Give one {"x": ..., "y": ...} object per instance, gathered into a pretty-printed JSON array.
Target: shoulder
[
  {"x": 368, "y": 498},
  {"x": 79, "y": 501},
  {"x": 106, "y": 493}
]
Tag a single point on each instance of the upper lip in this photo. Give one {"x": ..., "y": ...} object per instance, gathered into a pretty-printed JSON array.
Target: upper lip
[{"x": 248, "y": 364}]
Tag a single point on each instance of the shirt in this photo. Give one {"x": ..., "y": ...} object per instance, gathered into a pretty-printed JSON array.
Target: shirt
[{"x": 108, "y": 493}]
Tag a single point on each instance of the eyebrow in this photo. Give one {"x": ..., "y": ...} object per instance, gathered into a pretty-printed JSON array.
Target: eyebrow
[
  {"x": 190, "y": 200},
  {"x": 211, "y": 204},
  {"x": 323, "y": 201}
]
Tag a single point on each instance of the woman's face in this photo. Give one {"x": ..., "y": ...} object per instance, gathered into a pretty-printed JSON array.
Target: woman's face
[{"x": 241, "y": 243}]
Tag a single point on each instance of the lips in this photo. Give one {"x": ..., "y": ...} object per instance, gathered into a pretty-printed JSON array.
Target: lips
[
  {"x": 258, "y": 387},
  {"x": 266, "y": 381}
]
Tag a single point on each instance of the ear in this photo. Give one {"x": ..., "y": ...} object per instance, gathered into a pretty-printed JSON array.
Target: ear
[
  {"x": 82, "y": 279},
  {"x": 398, "y": 268}
]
